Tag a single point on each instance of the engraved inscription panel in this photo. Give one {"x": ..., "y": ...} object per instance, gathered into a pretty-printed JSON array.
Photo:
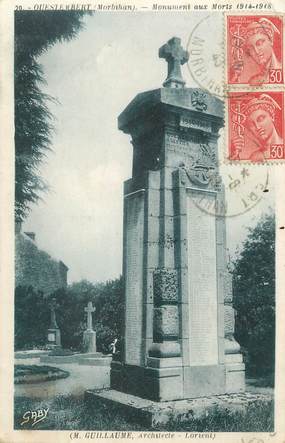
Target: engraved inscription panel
[
  {"x": 133, "y": 255},
  {"x": 165, "y": 286},
  {"x": 51, "y": 337},
  {"x": 195, "y": 123},
  {"x": 166, "y": 321},
  {"x": 203, "y": 307},
  {"x": 229, "y": 316}
]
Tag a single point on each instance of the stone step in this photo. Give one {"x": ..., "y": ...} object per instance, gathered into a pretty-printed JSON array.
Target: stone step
[
  {"x": 151, "y": 413},
  {"x": 91, "y": 355},
  {"x": 77, "y": 358},
  {"x": 65, "y": 359},
  {"x": 32, "y": 353},
  {"x": 102, "y": 361}
]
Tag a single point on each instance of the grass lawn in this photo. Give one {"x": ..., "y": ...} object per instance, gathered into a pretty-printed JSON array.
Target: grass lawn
[{"x": 71, "y": 413}]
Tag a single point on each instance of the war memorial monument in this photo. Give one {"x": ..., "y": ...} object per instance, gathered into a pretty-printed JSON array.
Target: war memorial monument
[{"x": 179, "y": 320}]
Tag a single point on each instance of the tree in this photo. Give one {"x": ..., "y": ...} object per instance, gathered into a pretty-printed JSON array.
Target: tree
[
  {"x": 108, "y": 317},
  {"x": 32, "y": 317},
  {"x": 35, "y": 33},
  {"x": 110, "y": 314},
  {"x": 254, "y": 295},
  {"x": 31, "y": 329}
]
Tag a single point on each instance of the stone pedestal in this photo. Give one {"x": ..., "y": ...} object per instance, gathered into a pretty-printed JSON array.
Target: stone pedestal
[
  {"x": 53, "y": 333},
  {"x": 153, "y": 414},
  {"x": 89, "y": 341},
  {"x": 53, "y": 337}
]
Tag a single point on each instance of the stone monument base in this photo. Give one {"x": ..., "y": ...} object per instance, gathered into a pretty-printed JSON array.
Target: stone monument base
[
  {"x": 59, "y": 359},
  {"x": 89, "y": 341},
  {"x": 94, "y": 359},
  {"x": 53, "y": 337},
  {"x": 151, "y": 413},
  {"x": 88, "y": 359},
  {"x": 165, "y": 379},
  {"x": 158, "y": 382},
  {"x": 30, "y": 353},
  {"x": 235, "y": 368}
]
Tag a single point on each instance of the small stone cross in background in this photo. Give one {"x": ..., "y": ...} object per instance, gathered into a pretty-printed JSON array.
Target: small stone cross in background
[
  {"x": 53, "y": 333},
  {"x": 53, "y": 323},
  {"x": 175, "y": 56},
  {"x": 89, "y": 309}
]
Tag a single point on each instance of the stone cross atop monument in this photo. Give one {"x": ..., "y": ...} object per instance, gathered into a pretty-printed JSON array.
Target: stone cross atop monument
[
  {"x": 89, "y": 309},
  {"x": 175, "y": 56}
]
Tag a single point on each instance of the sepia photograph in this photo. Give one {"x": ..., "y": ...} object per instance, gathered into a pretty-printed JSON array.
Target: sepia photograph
[{"x": 147, "y": 143}]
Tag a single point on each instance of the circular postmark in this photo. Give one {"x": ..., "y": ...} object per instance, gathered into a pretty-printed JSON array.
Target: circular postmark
[
  {"x": 245, "y": 186},
  {"x": 206, "y": 54}
]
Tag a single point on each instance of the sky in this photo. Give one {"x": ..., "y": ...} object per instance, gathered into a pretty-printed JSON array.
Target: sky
[{"x": 93, "y": 78}]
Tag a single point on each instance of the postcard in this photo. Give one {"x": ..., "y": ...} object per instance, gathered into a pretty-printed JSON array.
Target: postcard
[{"x": 142, "y": 231}]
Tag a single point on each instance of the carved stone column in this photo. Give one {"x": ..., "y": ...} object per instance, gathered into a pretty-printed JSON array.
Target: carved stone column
[
  {"x": 233, "y": 358},
  {"x": 164, "y": 364}
]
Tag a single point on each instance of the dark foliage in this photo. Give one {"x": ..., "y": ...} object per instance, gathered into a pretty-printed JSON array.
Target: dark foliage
[
  {"x": 35, "y": 32},
  {"x": 109, "y": 314},
  {"x": 32, "y": 314},
  {"x": 254, "y": 296}
]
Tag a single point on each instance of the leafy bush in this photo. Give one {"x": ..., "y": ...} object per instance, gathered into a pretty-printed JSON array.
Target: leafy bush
[
  {"x": 254, "y": 296},
  {"x": 32, "y": 316},
  {"x": 35, "y": 33}
]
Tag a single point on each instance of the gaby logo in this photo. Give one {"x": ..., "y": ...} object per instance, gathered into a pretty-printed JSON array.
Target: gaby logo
[{"x": 34, "y": 417}]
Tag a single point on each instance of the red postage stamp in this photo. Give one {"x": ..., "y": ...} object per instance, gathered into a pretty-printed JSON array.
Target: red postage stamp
[
  {"x": 255, "y": 49},
  {"x": 256, "y": 126}
]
